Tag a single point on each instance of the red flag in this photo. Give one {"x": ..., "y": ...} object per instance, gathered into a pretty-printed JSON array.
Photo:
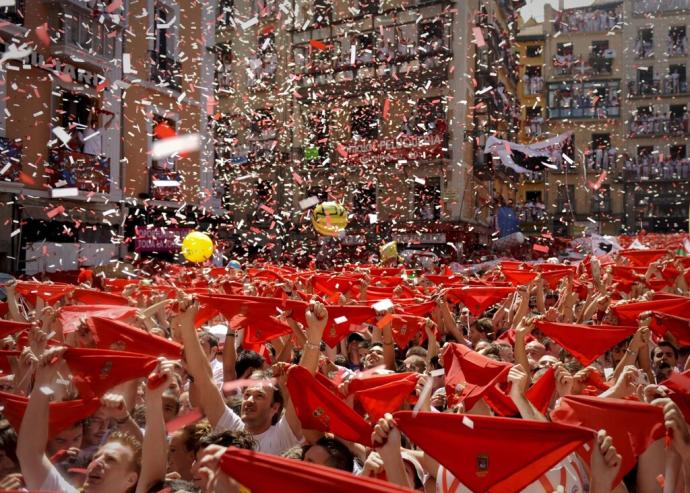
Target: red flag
[
  {"x": 585, "y": 342},
  {"x": 109, "y": 333},
  {"x": 633, "y": 426},
  {"x": 263, "y": 473},
  {"x": 500, "y": 455},
  {"x": 319, "y": 409}
]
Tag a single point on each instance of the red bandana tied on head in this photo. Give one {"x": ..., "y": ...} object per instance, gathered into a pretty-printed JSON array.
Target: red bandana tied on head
[
  {"x": 319, "y": 409},
  {"x": 633, "y": 426},
  {"x": 268, "y": 473},
  {"x": 585, "y": 342},
  {"x": 499, "y": 455},
  {"x": 111, "y": 334}
]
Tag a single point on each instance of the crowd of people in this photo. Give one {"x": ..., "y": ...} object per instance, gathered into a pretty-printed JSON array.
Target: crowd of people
[
  {"x": 655, "y": 166},
  {"x": 520, "y": 377},
  {"x": 658, "y": 124}
]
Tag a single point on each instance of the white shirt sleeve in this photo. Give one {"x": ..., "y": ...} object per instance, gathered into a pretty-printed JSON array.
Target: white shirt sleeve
[
  {"x": 55, "y": 482},
  {"x": 229, "y": 421}
]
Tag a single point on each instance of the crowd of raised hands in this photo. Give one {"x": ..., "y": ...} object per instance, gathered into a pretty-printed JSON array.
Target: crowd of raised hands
[{"x": 526, "y": 377}]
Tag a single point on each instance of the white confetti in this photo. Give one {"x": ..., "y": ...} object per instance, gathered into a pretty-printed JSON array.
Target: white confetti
[
  {"x": 468, "y": 422},
  {"x": 175, "y": 145}
]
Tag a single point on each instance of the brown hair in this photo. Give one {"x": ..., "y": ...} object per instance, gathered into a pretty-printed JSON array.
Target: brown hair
[
  {"x": 128, "y": 440},
  {"x": 194, "y": 433}
]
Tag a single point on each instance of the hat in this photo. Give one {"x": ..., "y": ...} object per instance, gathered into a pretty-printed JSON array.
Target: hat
[
  {"x": 488, "y": 464},
  {"x": 585, "y": 342}
]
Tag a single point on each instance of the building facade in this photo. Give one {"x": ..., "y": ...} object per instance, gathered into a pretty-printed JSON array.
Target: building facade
[
  {"x": 370, "y": 104},
  {"x": 584, "y": 93},
  {"x": 84, "y": 86}
]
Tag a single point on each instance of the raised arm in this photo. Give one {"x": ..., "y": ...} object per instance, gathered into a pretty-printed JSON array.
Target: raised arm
[
  {"x": 154, "y": 454},
  {"x": 229, "y": 356},
  {"x": 33, "y": 432},
  {"x": 210, "y": 398}
]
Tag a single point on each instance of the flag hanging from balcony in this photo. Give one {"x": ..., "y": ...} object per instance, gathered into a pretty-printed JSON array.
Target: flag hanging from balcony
[{"x": 523, "y": 158}]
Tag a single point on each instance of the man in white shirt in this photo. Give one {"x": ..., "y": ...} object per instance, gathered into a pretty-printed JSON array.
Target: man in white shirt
[{"x": 261, "y": 413}]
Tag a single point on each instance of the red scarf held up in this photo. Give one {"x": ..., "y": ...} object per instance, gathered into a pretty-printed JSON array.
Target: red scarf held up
[
  {"x": 633, "y": 426},
  {"x": 478, "y": 299},
  {"x": 642, "y": 258},
  {"x": 269, "y": 473},
  {"x": 488, "y": 464},
  {"x": 10, "y": 327},
  {"x": 585, "y": 342},
  {"x": 627, "y": 313},
  {"x": 95, "y": 297},
  {"x": 678, "y": 326},
  {"x": 319, "y": 409},
  {"x": 71, "y": 316},
  {"x": 110, "y": 334}
]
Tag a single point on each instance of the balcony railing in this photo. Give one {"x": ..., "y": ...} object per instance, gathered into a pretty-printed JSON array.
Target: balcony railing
[
  {"x": 595, "y": 65},
  {"x": 598, "y": 111},
  {"x": 588, "y": 20},
  {"x": 85, "y": 172},
  {"x": 666, "y": 87},
  {"x": 165, "y": 71},
  {"x": 642, "y": 7},
  {"x": 652, "y": 169},
  {"x": 10, "y": 159},
  {"x": 676, "y": 48},
  {"x": 658, "y": 126},
  {"x": 165, "y": 185},
  {"x": 14, "y": 14},
  {"x": 643, "y": 49}
]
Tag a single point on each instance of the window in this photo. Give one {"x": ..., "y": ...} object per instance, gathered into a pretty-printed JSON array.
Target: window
[
  {"x": 533, "y": 81},
  {"x": 14, "y": 13},
  {"x": 601, "y": 156},
  {"x": 263, "y": 65},
  {"x": 364, "y": 201},
  {"x": 224, "y": 76},
  {"x": 430, "y": 37},
  {"x": 601, "y": 200},
  {"x": 368, "y": 6},
  {"x": 165, "y": 180},
  {"x": 428, "y": 117},
  {"x": 225, "y": 12},
  {"x": 323, "y": 13},
  {"x": 427, "y": 198},
  {"x": 533, "y": 196},
  {"x": 565, "y": 199},
  {"x": 86, "y": 33},
  {"x": 165, "y": 69},
  {"x": 677, "y": 43},
  {"x": 644, "y": 44},
  {"x": 676, "y": 81},
  {"x": 643, "y": 151},
  {"x": 678, "y": 152},
  {"x": 364, "y": 122},
  {"x": 534, "y": 51},
  {"x": 588, "y": 99},
  {"x": 600, "y": 57},
  {"x": 564, "y": 49}
]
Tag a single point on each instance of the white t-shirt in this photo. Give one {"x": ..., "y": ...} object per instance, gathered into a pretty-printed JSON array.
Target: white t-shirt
[
  {"x": 218, "y": 374},
  {"x": 570, "y": 471},
  {"x": 276, "y": 440},
  {"x": 55, "y": 482}
]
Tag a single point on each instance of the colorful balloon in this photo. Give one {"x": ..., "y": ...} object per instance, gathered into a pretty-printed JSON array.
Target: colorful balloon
[
  {"x": 329, "y": 218},
  {"x": 197, "y": 247}
]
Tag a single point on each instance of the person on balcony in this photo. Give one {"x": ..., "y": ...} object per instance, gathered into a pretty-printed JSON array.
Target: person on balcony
[{"x": 92, "y": 141}]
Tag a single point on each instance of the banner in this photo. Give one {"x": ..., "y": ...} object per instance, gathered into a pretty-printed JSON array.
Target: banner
[
  {"x": 551, "y": 149},
  {"x": 404, "y": 147},
  {"x": 159, "y": 240}
]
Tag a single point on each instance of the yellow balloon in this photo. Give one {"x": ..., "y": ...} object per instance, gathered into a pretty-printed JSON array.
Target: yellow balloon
[
  {"x": 197, "y": 247},
  {"x": 329, "y": 218}
]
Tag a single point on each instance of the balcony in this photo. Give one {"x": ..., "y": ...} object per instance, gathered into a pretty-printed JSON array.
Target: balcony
[
  {"x": 644, "y": 7},
  {"x": 598, "y": 111},
  {"x": 568, "y": 65},
  {"x": 10, "y": 159},
  {"x": 677, "y": 48},
  {"x": 643, "y": 49},
  {"x": 598, "y": 20},
  {"x": 165, "y": 185},
  {"x": 657, "y": 127},
  {"x": 14, "y": 14},
  {"x": 667, "y": 87},
  {"x": 85, "y": 172},
  {"x": 165, "y": 71},
  {"x": 650, "y": 169}
]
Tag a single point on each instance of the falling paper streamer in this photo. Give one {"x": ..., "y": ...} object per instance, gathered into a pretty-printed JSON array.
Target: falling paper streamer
[
  {"x": 42, "y": 34},
  {"x": 175, "y": 145}
]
